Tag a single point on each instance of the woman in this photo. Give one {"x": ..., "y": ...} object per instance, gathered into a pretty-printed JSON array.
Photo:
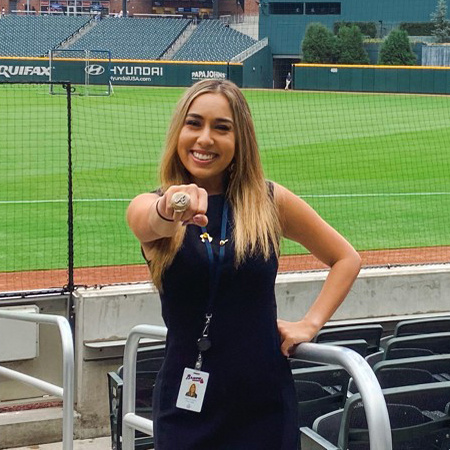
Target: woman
[{"x": 211, "y": 237}]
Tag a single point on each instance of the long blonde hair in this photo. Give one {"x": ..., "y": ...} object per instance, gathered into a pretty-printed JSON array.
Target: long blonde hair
[{"x": 257, "y": 227}]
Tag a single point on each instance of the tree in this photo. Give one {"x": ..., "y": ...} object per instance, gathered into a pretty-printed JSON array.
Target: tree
[
  {"x": 396, "y": 50},
  {"x": 350, "y": 49},
  {"x": 319, "y": 44},
  {"x": 440, "y": 22}
]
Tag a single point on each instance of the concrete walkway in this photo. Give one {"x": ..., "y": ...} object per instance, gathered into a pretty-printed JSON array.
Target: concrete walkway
[{"x": 103, "y": 443}]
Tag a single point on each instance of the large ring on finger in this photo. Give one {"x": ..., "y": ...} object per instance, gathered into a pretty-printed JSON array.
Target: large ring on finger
[{"x": 180, "y": 201}]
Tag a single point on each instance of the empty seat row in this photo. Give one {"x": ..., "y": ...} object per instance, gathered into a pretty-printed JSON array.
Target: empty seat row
[
  {"x": 36, "y": 35},
  {"x": 419, "y": 418},
  {"x": 130, "y": 38},
  {"x": 213, "y": 41},
  {"x": 416, "y": 389},
  {"x": 329, "y": 405}
]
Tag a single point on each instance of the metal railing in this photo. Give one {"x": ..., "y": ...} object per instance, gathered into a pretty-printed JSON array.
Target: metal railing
[
  {"x": 369, "y": 388},
  {"x": 67, "y": 391},
  {"x": 131, "y": 421},
  {"x": 371, "y": 394}
]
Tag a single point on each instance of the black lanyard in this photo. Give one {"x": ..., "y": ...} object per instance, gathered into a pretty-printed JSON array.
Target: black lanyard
[{"x": 215, "y": 269}]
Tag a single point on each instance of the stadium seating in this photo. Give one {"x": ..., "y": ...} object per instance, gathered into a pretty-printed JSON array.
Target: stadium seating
[
  {"x": 410, "y": 371},
  {"x": 397, "y": 353},
  {"x": 149, "y": 361},
  {"x": 422, "y": 326},
  {"x": 328, "y": 403},
  {"x": 419, "y": 326},
  {"x": 369, "y": 333},
  {"x": 213, "y": 41},
  {"x": 438, "y": 343},
  {"x": 319, "y": 391},
  {"x": 411, "y": 346},
  {"x": 36, "y": 35},
  {"x": 419, "y": 417},
  {"x": 437, "y": 365},
  {"x": 130, "y": 38},
  {"x": 360, "y": 346}
]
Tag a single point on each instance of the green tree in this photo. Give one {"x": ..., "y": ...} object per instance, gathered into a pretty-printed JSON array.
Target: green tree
[
  {"x": 350, "y": 49},
  {"x": 396, "y": 50},
  {"x": 441, "y": 25},
  {"x": 319, "y": 44}
]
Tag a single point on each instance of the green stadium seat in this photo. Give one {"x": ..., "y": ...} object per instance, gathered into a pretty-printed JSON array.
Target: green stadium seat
[
  {"x": 130, "y": 38},
  {"x": 36, "y": 35},
  {"x": 213, "y": 41}
]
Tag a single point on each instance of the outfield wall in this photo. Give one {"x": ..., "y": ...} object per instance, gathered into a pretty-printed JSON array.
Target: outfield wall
[
  {"x": 355, "y": 78},
  {"x": 122, "y": 72},
  {"x": 256, "y": 71}
]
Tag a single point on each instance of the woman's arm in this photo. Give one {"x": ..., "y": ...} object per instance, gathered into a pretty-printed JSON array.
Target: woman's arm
[
  {"x": 302, "y": 224},
  {"x": 152, "y": 217}
]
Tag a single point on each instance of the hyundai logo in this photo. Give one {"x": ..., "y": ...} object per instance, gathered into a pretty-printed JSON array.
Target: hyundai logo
[{"x": 94, "y": 69}]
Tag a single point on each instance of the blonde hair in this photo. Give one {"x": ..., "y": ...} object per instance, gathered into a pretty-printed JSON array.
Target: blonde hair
[{"x": 257, "y": 227}]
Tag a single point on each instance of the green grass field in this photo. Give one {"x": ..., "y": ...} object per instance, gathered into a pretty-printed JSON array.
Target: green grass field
[{"x": 375, "y": 166}]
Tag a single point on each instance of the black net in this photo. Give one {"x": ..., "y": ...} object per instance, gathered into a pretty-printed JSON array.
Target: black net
[{"x": 365, "y": 145}]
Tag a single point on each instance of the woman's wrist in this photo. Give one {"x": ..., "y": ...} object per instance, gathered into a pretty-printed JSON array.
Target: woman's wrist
[
  {"x": 310, "y": 327},
  {"x": 163, "y": 226},
  {"x": 159, "y": 213}
]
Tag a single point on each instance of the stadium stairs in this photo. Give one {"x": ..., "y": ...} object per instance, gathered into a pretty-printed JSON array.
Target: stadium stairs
[
  {"x": 178, "y": 43},
  {"x": 103, "y": 443},
  {"x": 71, "y": 40}
]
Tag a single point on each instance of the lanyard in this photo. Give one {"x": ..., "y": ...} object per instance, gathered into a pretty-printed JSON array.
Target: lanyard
[{"x": 215, "y": 269}]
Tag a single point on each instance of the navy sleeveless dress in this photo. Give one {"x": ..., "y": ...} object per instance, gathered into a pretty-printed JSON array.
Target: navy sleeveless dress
[{"x": 250, "y": 401}]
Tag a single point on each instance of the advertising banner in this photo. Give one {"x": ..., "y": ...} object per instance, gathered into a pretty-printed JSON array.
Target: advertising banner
[{"x": 130, "y": 73}]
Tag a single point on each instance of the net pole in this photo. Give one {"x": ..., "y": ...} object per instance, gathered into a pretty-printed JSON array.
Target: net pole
[
  {"x": 50, "y": 60},
  {"x": 70, "y": 268},
  {"x": 87, "y": 63}
]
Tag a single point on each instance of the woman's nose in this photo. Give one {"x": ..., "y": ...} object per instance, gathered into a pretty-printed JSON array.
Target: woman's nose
[{"x": 205, "y": 138}]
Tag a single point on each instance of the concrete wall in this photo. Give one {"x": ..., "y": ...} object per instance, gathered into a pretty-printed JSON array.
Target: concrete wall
[
  {"x": 104, "y": 317},
  {"x": 47, "y": 366},
  {"x": 376, "y": 294}
]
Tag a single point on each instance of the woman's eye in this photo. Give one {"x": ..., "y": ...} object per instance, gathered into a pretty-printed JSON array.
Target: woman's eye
[
  {"x": 193, "y": 123},
  {"x": 223, "y": 127}
]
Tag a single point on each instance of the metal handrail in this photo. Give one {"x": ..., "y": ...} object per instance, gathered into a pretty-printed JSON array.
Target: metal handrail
[
  {"x": 371, "y": 394},
  {"x": 369, "y": 388},
  {"x": 67, "y": 391},
  {"x": 131, "y": 421}
]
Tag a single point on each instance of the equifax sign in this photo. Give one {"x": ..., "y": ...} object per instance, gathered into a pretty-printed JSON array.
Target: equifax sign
[{"x": 9, "y": 71}]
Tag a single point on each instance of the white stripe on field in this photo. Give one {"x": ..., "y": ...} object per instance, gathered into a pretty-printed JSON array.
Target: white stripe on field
[
  {"x": 97, "y": 200},
  {"x": 402, "y": 194},
  {"x": 14, "y": 202}
]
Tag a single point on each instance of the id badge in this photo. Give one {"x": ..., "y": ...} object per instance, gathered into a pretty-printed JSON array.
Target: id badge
[{"x": 192, "y": 390}]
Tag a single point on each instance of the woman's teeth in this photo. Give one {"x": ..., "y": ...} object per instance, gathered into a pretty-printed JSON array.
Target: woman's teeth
[{"x": 203, "y": 156}]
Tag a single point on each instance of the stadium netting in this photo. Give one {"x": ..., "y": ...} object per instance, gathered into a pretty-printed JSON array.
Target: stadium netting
[{"x": 375, "y": 166}]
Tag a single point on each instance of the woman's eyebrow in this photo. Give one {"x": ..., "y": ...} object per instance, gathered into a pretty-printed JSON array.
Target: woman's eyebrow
[
  {"x": 224, "y": 119},
  {"x": 217, "y": 119}
]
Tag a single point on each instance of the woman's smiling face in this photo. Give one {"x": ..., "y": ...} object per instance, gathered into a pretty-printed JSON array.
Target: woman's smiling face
[{"x": 206, "y": 144}]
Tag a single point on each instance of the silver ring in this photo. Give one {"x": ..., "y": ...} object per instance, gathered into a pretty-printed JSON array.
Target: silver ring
[{"x": 180, "y": 201}]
